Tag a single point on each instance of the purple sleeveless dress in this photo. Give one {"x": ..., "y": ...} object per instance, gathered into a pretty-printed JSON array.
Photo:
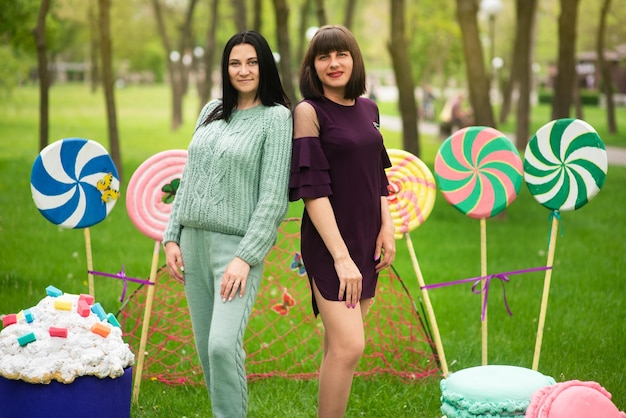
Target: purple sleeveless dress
[{"x": 346, "y": 163}]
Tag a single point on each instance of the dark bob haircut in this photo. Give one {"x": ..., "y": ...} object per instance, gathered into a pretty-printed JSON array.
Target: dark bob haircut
[
  {"x": 332, "y": 38},
  {"x": 270, "y": 92}
]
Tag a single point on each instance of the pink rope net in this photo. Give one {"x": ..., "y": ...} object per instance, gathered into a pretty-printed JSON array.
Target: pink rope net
[{"x": 283, "y": 338}]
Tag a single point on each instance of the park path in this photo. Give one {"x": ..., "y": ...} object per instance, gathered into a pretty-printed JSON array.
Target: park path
[{"x": 614, "y": 155}]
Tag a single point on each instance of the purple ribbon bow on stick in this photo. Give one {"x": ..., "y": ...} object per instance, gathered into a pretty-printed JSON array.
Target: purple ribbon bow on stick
[
  {"x": 121, "y": 275},
  {"x": 503, "y": 277}
]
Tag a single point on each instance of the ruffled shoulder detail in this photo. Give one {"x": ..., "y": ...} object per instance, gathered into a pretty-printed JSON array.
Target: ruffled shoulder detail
[{"x": 310, "y": 175}]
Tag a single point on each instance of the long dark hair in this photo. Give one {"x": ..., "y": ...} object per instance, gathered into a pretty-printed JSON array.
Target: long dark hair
[
  {"x": 331, "y": 38},
  {"x": 270, "y": 91}
]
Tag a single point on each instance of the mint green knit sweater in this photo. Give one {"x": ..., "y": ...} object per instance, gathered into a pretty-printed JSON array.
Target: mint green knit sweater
[{"x": 236, "y": 179}]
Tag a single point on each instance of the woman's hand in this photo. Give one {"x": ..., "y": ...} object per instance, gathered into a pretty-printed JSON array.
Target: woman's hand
[
  {"x": 350, "y": 281},
  {"x": 174, "y": 261},
  {"x": 385, "y": 251},
  {"x": 235, "y": 278}
]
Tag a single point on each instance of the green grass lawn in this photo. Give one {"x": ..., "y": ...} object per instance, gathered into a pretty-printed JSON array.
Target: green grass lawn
[{"x": 584, "y": 335}]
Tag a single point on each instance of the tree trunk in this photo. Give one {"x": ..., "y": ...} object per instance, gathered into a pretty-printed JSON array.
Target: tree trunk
[
  {"x": 321, "y": 12},
  {"x": 522, "y": 52},
  {"x": 108, "y": 82},
  {"x": 178, "y": 69},
  {"x": 566, "y": 66},
  {"x": 282, "y": 32},
  {"x": 240, "y": 17},
  {"x": 303, "y": 41},
  {"x": 94, "y": 49},
  {"x": 39, "y": 33},
  {"x": 350, "y": 6},
  {"x": 402, "y": 70},
  {"x": 526, "y": 11},
  {"x": 477, "y": 77},
  {"x": 606, "y": 79},
  {"x": 206, "y": 84},
  {"x": 257, "y": 11}
]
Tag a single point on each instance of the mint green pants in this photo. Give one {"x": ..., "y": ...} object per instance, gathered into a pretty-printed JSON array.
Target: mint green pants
[{"x": 218, "y": 327}]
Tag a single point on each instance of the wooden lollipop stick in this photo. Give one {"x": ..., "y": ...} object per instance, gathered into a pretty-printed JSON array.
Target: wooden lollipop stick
[
  {"x": 92, "y": 290},
  {"x": 145, "y": 326},
  {"x": 483, "y": 293},
  {"x": 546, "y": 291},
  {"x": 429, "y": 308}
]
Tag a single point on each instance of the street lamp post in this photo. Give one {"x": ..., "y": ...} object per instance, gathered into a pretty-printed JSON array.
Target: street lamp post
[{"x": 491, "y": 8}]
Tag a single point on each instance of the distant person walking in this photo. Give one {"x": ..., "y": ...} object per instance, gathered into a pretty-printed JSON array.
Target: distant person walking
[{"x": 454, "y": 115}]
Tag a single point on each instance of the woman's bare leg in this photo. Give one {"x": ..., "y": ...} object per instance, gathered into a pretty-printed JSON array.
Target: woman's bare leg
[{"x": 344, "y": 342}]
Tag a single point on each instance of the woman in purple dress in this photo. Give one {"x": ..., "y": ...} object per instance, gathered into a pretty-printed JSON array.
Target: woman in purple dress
[{"x": 347, "y": 231}]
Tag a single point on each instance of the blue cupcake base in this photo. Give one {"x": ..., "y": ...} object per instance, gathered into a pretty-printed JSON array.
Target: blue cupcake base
[{"x": 87, "y": 396}]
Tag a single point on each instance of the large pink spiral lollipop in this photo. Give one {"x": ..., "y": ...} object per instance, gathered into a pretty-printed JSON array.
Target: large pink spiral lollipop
[
  {"x": 151, "y": 191},
  {"x": 412, "y": 191},
  {"x": 478, "y": 171},
  {"x": 565, "y": 164},
  {"x": 74, "y": 183}
]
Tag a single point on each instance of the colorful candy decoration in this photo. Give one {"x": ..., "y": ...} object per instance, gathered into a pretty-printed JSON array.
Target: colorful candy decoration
[
  {"x": 412, "y": 191},
  {"x": 411, "y": 198},
  {"x": 9, "y": 319},
  {"x": 53, "y": 291},
  {"x": 151, "y": 191},
  {"x": 74, "y": 183},
  {"x": 565, "y": 164},
  {"x": 478, "y": 171},
  {"x": 26, "y": 339},
  {"x": 101, "y": 329},
  {"x": 60, "y": 332}
]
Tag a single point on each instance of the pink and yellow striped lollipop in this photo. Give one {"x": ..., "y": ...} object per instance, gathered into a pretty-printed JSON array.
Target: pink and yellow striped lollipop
[
  {"x": 412, "y": 191},
  {"x": 478, "y": 171}
]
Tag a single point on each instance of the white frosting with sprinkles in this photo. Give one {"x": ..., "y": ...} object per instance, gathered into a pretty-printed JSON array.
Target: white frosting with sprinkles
[{"x": 48, "y": 358}]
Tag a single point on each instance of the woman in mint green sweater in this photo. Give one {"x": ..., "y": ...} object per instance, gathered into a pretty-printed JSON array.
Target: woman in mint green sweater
[{"x": 232, "y": 197}]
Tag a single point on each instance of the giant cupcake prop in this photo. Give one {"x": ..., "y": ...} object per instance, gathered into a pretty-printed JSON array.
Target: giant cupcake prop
[{"x": 64, "y": 356}]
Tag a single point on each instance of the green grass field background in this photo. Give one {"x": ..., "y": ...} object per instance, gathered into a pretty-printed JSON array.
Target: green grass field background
[{"x": 584, "y": 336}]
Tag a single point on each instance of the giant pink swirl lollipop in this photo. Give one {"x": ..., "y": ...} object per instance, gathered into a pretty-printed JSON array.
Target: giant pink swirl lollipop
[
  {"x": 412, "y": 191},
  {"x": 478, "y": 171},
  {"x": 151, "y": 191}
]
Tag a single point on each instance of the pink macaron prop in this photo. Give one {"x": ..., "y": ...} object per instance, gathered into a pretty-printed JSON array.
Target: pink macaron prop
[
  {"x": 151, "y": 192},
  {"x": 565, "y": 166},
  {"x": 411, "y": 198},
  {"x": 479, "y": 172},
  {"x": 75, "y": 184}
]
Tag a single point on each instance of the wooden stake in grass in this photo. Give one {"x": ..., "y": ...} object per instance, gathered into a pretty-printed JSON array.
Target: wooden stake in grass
[
  {"x": 145, "y": 326},
  {"x": 92, "y": 290},
  {"x": 429, "y": 307},
  {"x": 546, "y": 292},
  {"x": 483, "y": 290}
]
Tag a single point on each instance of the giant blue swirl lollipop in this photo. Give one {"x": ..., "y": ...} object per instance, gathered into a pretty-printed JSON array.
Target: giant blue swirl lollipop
[{"x": 74, "y": 183}]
